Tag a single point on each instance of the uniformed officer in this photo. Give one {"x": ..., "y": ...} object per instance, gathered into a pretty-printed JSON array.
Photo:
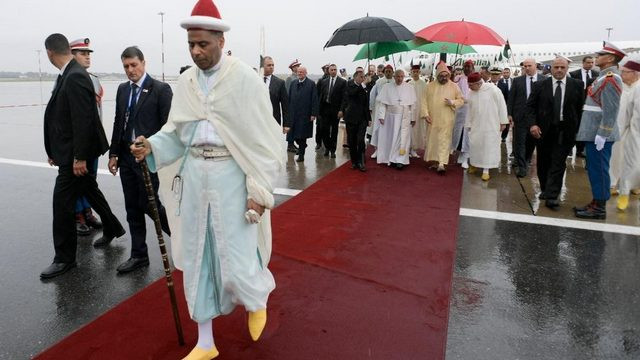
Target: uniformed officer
[
  {"x": 85, "y": 219},
  {"x": 599, "y": 129}
]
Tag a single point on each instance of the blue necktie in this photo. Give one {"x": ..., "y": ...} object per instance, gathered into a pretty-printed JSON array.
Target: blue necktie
[{"x": 132, "y": 105}]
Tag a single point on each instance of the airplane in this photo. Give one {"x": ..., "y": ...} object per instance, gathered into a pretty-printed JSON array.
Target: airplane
[{"x": 543, "y": 53}]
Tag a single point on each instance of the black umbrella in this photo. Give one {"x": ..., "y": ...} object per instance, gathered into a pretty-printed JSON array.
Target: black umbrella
[{"x": 368, "y": 30}]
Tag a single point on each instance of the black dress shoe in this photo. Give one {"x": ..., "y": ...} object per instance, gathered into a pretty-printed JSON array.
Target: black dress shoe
[
  {"x": 362, "y": 168},
  {"x": 91, "y": 220},
  {"x": 333, "y": 154},
  {"x": 292, "y": 149},
  {"x": 399, "y": 166},
  {"x": 542, "y": 196},
  {"x": 597, "y": 210},
  {"x": 300, "y": 158},
  {"x": 521, "y": 173},
  {"x": 354, "y": 166},
  {"x": 583, "y": 208},
  {"x": 345, "y": 146},
  {"x": 82, "y": 229},
  {"x": 56, "y": 269},
  {"x": 326, "y": 153},
  {"x": 552, "y": 203},
  {"x": 106, "y": 238},
  {"x": 132, "y": 264}
]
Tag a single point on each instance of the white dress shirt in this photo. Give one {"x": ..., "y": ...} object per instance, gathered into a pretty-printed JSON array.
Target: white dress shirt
[
  {"x": 529, "y": 82},
  {"x": 267, "y": 83},
  {"x": 206, "y": 133}
]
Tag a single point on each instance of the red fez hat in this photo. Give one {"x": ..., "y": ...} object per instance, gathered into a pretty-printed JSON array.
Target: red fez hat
[
  {"x": 469, "y": 62},
  {"x": 388, "y": 67},
  {"x": 632, "y": 65},
  {"x": 474, "y": 77},
  {"x": 205, "y": 16}
]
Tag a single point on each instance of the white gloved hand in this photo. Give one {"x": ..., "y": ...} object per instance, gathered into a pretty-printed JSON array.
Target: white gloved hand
[
  {"x": 252, "y": 216},
  {"x": 600, "y": 140}
]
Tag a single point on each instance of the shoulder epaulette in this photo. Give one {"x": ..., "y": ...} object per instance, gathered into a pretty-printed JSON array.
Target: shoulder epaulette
[{"x": 610, "y": 74}]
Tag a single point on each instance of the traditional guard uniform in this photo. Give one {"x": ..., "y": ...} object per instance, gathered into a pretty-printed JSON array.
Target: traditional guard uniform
[{"x": 599, "y": 123}]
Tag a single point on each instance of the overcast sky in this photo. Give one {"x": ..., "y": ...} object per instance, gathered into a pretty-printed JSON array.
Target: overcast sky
[{"x": 294, "y": 29}]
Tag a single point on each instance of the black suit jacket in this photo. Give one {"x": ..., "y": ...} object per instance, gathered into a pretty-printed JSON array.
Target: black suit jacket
[
  {"x": 72, "y": 127},
  {"x": 540, "y": 107},
  {"x": 149, "y": 115},
  {"x": 517, "y": 104},
  {"x": 356, "y": 104},
  {"x": 577, "y": 74},
  {"x": 504, "y": 87},
  {"x": 279, "y": 98},
  {"x": 337, "y": 95}
]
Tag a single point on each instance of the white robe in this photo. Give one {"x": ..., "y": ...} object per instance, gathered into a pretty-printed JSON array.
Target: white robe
[
  {"x": 487, "y": 111},
  {"x": 624, "y": 116},
  {"x": 630, "y": 174},
  {"x": 461, "y": 116},
  {"x": 239, "y": 108},
  {"x": 394, "y": 136},
  {"x": 419, "y": 129},
  {"x": 374, "y": 106}
]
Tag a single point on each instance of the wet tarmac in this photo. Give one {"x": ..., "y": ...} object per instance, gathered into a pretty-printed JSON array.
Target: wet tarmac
[{"x": 521, "y": 290}]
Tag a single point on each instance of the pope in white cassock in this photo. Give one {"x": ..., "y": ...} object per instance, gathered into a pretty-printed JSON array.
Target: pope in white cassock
[
  {"x": 396, "y": 119},
  {"x": 486, "y": 118},
  {"x": 228, "y": 151},
  {"x": 374, "y": 105}
]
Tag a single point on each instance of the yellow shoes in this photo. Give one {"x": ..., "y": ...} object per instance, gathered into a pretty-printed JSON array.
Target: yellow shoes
[
  {"x": 402, "y": 152},
  {"x": 471, "y": 169},
  {"x": 485, "y": 177},
  {"x": 623, "y": 202},
  {"x": 202, "y": 354},
  {"x": 614, "y": 192},
  {"x": 257, "y": 321}
]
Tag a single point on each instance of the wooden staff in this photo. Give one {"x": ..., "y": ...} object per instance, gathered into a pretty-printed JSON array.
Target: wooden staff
[{"x": 163, "y": 250}]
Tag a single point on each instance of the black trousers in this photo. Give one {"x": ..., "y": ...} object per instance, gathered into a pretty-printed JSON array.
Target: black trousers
[
  {"x": 67, "y": 190},
  {"x": 505, "y": 132},
  {"x": 355, "y": 138},
  {"x": 523, "y": 145},
  {"x": 302, "y": 145},
  {"x": 319, "y": 124},
  {"x": 329, "y": 130},
  {"x": 137, "y": 203},
  {"x": 552, "y": 162}
]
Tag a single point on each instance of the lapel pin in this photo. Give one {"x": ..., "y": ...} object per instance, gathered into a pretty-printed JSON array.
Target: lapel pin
[{"x": 145, "y": 90}]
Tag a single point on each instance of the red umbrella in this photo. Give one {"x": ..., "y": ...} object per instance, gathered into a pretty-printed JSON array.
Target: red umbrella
[{"x": 461, "y": 32}]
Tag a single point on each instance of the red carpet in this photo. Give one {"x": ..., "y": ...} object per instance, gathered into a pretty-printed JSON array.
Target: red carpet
[{"x": 363, "y": 266}]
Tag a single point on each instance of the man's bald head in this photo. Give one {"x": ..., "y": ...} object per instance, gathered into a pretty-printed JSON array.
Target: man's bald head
[
  {"x": 559, "y": 68},
  {"x": 529, "y": 66}
]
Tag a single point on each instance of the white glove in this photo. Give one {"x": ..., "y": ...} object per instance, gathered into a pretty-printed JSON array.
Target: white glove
[
  {"x": 252, "y": 216},
  {"x": 600, "y": 140}
]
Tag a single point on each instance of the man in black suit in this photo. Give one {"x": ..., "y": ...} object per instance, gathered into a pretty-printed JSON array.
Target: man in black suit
[
  {"x": 277, "y": 93},
  {"x": 523, "y": 143},
  {"x": 553, "y": 111},
  {"x": 356, "y": 117},
  {"x": 504, "y": 84},
  {"x": 325, "y": 74},
  {"x": 303, "y": 110},
  {"x": 73, "y": 134},
  {"x": 587, "y": 75},
  {"x": 331, "y": 93},
  {"x": 142, "y": 107}
]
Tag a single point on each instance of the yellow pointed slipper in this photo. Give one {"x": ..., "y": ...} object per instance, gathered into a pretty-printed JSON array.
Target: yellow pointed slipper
[
  {"x": 485, "y": 177},
  {"x": 403, "y": 151},
  {"x": 202, "y": 354},
  {"x": 623, "y": 202},
  {"x": 471, "y": 169},
  {"x": 257, "y": 321}
]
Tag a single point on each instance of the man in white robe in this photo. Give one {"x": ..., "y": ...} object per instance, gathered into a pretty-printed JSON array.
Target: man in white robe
[
  {"x": 221, "y": 134},
  {"x": 396, "y": 120},
  {"x": 486, "y": 119},
  {"x": 419, "y": 128},
  {"x": 625, "y": 158},
  {"x": 459, "y": 130},
  {"x": 374, "y": 105}
]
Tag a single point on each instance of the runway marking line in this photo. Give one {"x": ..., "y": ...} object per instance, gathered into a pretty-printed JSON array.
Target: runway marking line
[
  {"x": 276, "y": 191},
  {"x": 485, "y": 214}
]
